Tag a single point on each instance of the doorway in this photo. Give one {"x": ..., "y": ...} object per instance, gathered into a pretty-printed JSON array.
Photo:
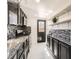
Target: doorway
[{"x": 41, "y": 30}]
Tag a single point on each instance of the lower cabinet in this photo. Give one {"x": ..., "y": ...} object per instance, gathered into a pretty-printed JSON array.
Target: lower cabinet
[
  {"x": 22, "y": 51},
  {"x": 14, "y": 57},
  {"x": 48, "y": 41},
  {"x": 64, "y": 51},
  {"x": 55, "y": 48},
  {"x": 59, "y": 49},
  {"x": 22, "y": 56},
  {"x": 51, "y": 44}
]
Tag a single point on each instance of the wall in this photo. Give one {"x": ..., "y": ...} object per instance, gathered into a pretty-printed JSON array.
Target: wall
[
  {"x": 64, "y": 17},
  {"x": 32, "y": 21},
  {"x": 62, "y": 23},
  {"x": 33, "y": 36}
]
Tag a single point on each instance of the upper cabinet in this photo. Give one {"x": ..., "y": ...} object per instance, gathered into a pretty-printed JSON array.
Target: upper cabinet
[{"x": 16, "y": 15}]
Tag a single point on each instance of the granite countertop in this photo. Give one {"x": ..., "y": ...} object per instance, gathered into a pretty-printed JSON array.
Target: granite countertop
[
  {"x": 14, "y": 44},
  {"x": 62, "y": 35}
]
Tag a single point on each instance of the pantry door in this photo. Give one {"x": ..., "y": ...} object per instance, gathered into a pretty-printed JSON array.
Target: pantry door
[{"x": 41, "y": 30}]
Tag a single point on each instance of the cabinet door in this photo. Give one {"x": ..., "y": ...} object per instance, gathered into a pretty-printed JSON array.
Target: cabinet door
[
  {"x": 48, "y": 41},
  {"x": 51, "y": 44},
  {"x": 14, "y": 57},
  {"x": 56, "y": 48},
  {"x": 64, "y": 51},
  {"x": 22, "y": 56}
]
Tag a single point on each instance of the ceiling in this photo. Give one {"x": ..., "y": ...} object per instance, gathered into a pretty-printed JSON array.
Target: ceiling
[{"x": 43, "y": 8}]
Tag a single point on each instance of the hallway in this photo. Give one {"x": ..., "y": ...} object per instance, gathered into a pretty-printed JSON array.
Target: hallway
[{"x": 39, "y": 51}]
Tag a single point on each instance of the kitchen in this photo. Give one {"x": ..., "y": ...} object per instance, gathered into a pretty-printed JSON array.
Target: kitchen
[{"x": 39, "y": 29}]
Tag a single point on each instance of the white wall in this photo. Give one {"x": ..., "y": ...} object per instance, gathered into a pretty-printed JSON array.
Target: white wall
[
  {"x": 62, "y": 18},
  {"x": 33, "y": 36},
  {"x": 65, "y": 25}
]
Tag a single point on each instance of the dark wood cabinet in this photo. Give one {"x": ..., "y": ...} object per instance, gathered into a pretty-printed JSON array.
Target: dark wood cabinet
[
  {"x": 59, "y": 49},
  {"x": 48, "y": 41},
  {"x": 51, "y": 44},
  {"x": 55, "y": 48},
  {"x": 64, "y": 51},
  {"x": 22, "y": 51}
]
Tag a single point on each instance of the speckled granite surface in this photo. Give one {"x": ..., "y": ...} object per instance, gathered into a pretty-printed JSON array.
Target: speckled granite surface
[
  {"x": 12, "y": 51},
  {"x": 63, "y": 35},
  {"x": 14, "y": 45},
  {"x": 11, "y": 32}
]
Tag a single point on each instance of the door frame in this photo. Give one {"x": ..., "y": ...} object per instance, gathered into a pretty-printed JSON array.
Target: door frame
[{"x": 38, "y": 27}]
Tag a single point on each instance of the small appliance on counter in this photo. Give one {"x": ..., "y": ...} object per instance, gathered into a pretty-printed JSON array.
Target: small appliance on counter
[{"x": 23, "y": 30}]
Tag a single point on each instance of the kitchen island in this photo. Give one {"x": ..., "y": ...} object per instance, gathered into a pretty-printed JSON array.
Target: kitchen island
[{"x": 18, "y": 48}]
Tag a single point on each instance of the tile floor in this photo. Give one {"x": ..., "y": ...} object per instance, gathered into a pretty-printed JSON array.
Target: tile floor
[{"x": 39, "y": 51}]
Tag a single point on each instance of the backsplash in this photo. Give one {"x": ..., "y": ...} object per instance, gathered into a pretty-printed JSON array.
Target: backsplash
[{"x": 63, "y": 25}]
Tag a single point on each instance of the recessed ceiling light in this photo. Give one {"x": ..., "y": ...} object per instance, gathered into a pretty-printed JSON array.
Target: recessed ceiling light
[
  {"x": 50, "y": 11},
  {"x": 37, "y": 1}
]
